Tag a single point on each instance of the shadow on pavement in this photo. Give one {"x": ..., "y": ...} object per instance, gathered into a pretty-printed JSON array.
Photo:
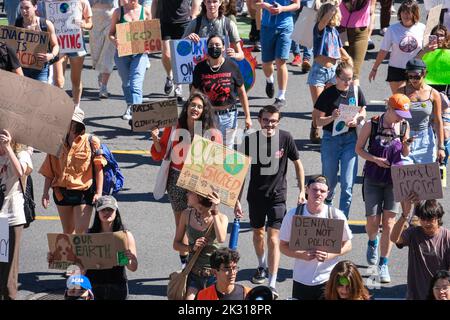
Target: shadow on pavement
[
  {"x": 139, "y": 287},
  {"x": 139, "y": 197},
  {"x": 32, "y": 281}
]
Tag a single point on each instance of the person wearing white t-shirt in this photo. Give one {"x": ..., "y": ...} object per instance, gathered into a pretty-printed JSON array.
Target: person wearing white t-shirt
[
  {"x": 312, "y": 268},
  {"x": 404, "y": 39}
]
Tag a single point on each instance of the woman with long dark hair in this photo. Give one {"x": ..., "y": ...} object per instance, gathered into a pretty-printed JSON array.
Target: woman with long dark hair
[{"x": 197, "y": 109}]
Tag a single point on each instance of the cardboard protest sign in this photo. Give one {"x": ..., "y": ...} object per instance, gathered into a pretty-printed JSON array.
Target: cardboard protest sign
[
  {"x": 27, "y": 44},
  {"x": 303, "y": 29},
  {"x": 211, "y": 166},
  {"x": 348, "y": 113},
  {"x": 65, "y": 16},
  {"x": 159, "y": 114},
  {"x": 138, "y": 37},
  {"x": 423, "y": 179},
  {"x": 311, "y": 233},
  {"x": 429, "y": 4},
  {"x": 432, "y": 21},
  {"x": 35, "y": 113},
  {"x": 4, "y": 240},
  {"x": 185, "y": 55},
  {"x": 438, "y": 66},
  {"x": 89, "y": 251}
]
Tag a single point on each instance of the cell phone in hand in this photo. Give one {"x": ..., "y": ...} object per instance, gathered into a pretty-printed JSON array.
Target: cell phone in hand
[
  {"x": 275, "y": 5},
  {"x": 432, "y": 39}
]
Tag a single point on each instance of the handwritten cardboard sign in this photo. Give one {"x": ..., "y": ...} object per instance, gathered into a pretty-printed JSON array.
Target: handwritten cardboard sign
[
  {"x": 4, "y": 240},
  {"x": 64, "y": 15},
  {"x": 35, "y": 113},
  {"x": 185, "y": 55},
  {"x": 347, "y": 114},
  {"x": 138, "y": 37},
  {"x": 89, "y": 251},
  {"x": 432, "y": 21},
  {"x": 27, "y": 44},
  {"x": 211, "y": 166},
  {"x": 423, "y": 179},
  {"x": 311, "y": 233},
  {"x": 429, "y": 4},
  {"x": 159, "y": 114}
]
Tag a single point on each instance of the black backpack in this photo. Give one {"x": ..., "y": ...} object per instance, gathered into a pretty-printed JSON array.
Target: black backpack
[
  {"x": 301, "y": 208},
  {"x": 375, "y": 129}
]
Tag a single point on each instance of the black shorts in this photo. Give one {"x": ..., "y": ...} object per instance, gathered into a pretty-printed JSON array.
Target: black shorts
[
  {"x": 260, "y": 208},
  {"x": 173, "y": 30},
  {"x": 396, "y": 74},
  {"x": 74, "y": 197}
]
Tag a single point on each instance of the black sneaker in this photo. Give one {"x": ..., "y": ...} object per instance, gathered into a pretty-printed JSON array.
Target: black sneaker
[
  {"x": 168, "y": 87},
  {"x": 279, "y": 103},
  {"x": 270, "y": 89},
  {"x": 275, "y": 293},
  {"x": 259, "y": 276},
  {"x": 370, "y": 45},
  {"x": 257, "y": 46}
]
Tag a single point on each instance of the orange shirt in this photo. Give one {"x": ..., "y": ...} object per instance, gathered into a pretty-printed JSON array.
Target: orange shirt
[
  {"x": 73, "y": 169},
  {"x": 177, "y": 154}
]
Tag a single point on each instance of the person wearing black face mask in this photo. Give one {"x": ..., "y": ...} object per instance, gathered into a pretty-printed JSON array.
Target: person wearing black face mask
[{"x": 221, "y": 80}]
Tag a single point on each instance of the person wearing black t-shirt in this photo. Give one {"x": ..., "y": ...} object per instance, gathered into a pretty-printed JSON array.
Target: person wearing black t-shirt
[
  {"x": 8, "y": 59},
  {"x": 221, "y": 80},
  {"x": 175, "y": 15},
  {"x": 270, "y": 149},
  {"x": 339, "y": 150}
]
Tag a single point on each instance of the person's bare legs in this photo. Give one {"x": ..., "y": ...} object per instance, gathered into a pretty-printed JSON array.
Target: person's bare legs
[
  {"x": 372, "y": 226},
  {"x": 191, "y": 293},
  {"x": 76, "y": 67},
  {"x": 388, "y": 221},
  {"x": 104, "y": 78},
  {"x": 282, "y": 74},
  {"x": 268, "y": 68},
  {"x": 177, "y": 215},
  {"x": 273, "y": 245},
  {"x": 166, "y": 58},
  {"x": 67, "y": 219},
  {"x": 314, "y": 134},
  {"x": 82, "y": 215},
  {"x": 58, "y": 73}
]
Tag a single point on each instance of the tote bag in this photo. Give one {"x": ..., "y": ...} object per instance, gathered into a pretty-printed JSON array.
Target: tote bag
[{"x": 161, "y": 179}]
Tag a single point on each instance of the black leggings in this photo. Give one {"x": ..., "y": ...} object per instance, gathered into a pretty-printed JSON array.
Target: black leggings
[{"x": 304, "y": 292}]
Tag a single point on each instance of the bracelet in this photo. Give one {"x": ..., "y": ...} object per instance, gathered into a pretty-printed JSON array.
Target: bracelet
[
  {"x": 441, "y": 148},
  {"x": 374, "y": 70}
]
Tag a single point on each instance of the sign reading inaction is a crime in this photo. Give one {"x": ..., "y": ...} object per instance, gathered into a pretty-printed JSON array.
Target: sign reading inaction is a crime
[
  {"x": 88, "y": 251},
  {"x": 311, "y": 233},
  {"x": 210, "y": 166},
  {"x": 154, "y": 114},
  {"x": 27, "y": 44},
  {"x": 138, "y": 37},
  {"x": 185, "y": 55},
  {"x": 423, "y": 179},
  {"x": 66, "y": 16}
]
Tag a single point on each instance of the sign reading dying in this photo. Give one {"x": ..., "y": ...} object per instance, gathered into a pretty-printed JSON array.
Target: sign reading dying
[
  {"x": 311, "y": 233},
  {"x": 154, "y": 114},
  {"x": 88, "y": 251},
  {"x": 138, "y": 37},
  {"x": 211, "y": 166},
  {"x": 27, "y": 44},
  {"x": 423, "y": 179}
]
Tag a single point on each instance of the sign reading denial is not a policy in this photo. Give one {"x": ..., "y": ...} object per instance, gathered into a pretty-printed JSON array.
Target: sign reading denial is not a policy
[
  {"x": 311, "y": 233},
  {"x": 27, "y": 44},
  {"x": 211, "y": 166},
  {"x": 138, "y": 37},
  {"x": 159, "y": 114},
  {"x": 423, "y": 179},
  {"x": 64, "y": 15},
  {"x": 185, "y": 55},
  {"x": 89, "y": 251}
]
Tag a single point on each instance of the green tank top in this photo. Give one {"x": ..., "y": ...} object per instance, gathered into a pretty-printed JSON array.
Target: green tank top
[
  {"x": 122, "y": 15},
  {"x": 194, "y": 234}
]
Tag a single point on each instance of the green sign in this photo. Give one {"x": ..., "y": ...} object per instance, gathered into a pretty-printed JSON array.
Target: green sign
[{"x": 438, "y": 66}]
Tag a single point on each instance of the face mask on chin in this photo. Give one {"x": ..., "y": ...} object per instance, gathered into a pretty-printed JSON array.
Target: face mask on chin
[{"x": 214, "y": 52}]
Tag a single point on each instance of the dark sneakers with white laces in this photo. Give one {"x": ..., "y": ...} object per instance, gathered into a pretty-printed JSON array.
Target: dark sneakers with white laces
[{"x": 260, "y": 276}]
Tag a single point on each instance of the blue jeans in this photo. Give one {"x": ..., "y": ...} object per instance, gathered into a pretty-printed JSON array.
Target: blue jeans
[
  {"x": 39, "y": 75},
  {"x": 447, "y": 151},
  {"x": 12, "y": 10},
  {"x": 335, "y": 150},
  {"x": 132, "y": 72},
  {"x": 227, "y": 123}
]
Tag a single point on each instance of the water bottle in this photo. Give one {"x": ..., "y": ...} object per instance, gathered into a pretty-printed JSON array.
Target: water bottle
[{"x": 234, "y": 236}]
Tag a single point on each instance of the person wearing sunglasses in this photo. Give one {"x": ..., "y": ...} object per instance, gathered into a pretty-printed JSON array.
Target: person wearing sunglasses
[
  {"x": 339, "y": 150},
  {"x": 224, "y": 266},
  {"x": 428, "y": 243},
  {"x": 440, "y": 286},
  {"x": 346, "y": 283}
]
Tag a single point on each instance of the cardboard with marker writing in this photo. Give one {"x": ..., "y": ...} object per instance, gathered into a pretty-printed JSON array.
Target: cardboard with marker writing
[
  {"x": 211, "y": 166},
  {"x": 89, "y": 251},
  {"x": 311, "y": 233},
  {"x": 159, "y": 114},
  {"x": 432, "y": 21},
  {"x": 423, "y": 179},
  {"x": 138, "y": 37}
]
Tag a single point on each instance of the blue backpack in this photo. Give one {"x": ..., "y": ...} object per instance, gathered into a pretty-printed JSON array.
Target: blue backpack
[{"x": 112, "y": 176}]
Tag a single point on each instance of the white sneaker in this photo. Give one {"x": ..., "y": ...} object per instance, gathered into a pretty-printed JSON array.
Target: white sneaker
[
  {"x": 383, "y": 31},
  {"x": 103, "y": 93},
  {"x": 127, "y": 114},
  {"x": 393, "y": 9},
  {"x": 178, "y": 93}
]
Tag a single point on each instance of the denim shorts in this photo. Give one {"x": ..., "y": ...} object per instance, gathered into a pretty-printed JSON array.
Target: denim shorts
[
  {"x": 81, "y": 53},
  {"x": 228, "y": 123},
  {"x": 319, "y": 76},
  {"x": 275, "y": 43}
]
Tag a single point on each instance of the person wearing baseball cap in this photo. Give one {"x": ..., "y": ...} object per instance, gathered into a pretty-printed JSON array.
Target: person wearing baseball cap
[
  {"x": 78, "y": 288},
  {"x": 112, "y": 284},
  {"x": 426, "y": 106},
  {"x": 388, "y": 137}
]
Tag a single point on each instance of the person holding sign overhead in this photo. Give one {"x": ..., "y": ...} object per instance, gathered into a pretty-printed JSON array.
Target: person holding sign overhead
[
  {"x": 338, "y": 147},
  {"x": 197, "y": 109},
  {"x": 131, "y": 68},
  {"x": 112, "y": 284},
  {"x": 388, "y": 137},
  {"x": 312, "y": 268}
]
